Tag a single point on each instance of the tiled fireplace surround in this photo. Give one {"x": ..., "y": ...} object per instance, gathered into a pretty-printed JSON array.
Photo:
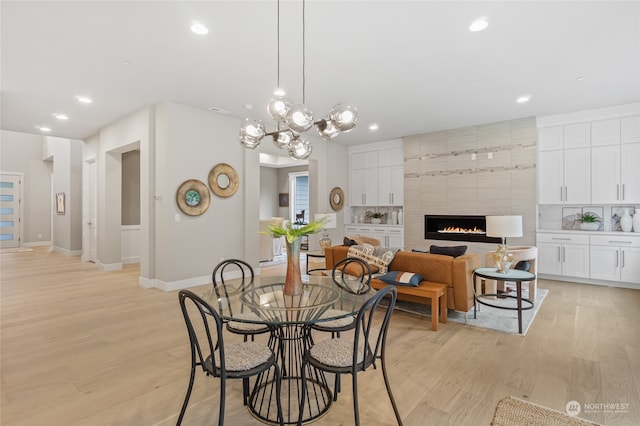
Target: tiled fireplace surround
[{"x": 489, "y": 169}]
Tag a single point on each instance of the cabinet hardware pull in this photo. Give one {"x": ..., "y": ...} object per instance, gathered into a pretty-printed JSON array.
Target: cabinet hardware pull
[
  {"x": 623, "y": 196},
  {"x": 564, "y": 255},
  {"x": 559, "y": 254},
  {"x": 623, "y": 258},
  {"x": 561, "y": 239},
  {"x": 561, "y": 194},
  {"x": 617, "y": 258},
  {"x": 566, "y": 193},
  {"x": 618, "y": 192},
  {"x": 620, "y": 242}
]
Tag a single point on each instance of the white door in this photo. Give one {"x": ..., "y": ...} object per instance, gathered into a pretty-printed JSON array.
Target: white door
[
  {"x": 92, "y": 228},
  {"x": 10, "y": 211}
]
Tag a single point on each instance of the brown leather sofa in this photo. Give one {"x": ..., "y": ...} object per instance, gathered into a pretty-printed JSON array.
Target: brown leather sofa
[{"x": 456, "y": 273}]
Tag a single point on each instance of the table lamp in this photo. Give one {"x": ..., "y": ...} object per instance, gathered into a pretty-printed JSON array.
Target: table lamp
[
  {"x": 503, "y": 227},
  {"x": 330, "y": 223}
]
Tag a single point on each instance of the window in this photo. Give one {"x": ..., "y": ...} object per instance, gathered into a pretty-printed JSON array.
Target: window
[{"x": 299, "y": 197}]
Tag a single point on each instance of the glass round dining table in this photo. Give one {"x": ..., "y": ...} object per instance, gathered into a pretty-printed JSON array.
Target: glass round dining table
[{"x": 289, "y": 318}]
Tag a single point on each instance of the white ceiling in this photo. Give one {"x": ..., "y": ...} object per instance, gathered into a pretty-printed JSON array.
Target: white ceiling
[{"x": 409, "y": 66}]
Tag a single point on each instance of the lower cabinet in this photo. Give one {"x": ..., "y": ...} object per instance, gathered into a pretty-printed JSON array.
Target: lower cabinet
[
  {"x": 389, "y": 236},
  {"x": 615, "y": 258},
  {"x": 563, "y": 254}
]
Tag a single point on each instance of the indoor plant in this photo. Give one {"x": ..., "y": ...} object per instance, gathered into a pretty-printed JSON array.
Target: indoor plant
[
  {"x": 292, "y": 233},
  {"x": 589, "y": 222},
  {"x": 376, "y": 217}
]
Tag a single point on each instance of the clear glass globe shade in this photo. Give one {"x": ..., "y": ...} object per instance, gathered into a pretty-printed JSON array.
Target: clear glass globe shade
[
  {"x": 327, "y": 129},
  {"x": 253, "y": 128},
  {"x": 300, "y": 149},
  {"x": 249, "y": 142},
  {"x": 344, "y": 116},
  {"x": 299, "y": 118},
  {"x": 282, "y": 140},
  {"x": 278, "y": 108}
]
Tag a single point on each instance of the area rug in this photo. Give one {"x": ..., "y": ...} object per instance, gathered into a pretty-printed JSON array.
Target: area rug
[
  {"x": 512, "y": 411},
  {"x": 277, "y": 260},
  {"x": 503, "y": 320}
]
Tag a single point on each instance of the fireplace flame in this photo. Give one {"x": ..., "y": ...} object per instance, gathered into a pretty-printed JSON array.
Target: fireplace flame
[{"x": 458, "y": 230}]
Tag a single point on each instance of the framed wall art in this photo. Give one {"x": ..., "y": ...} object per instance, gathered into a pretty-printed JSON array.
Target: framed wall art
[
  {"x": 283, "y": 199},
  {"x": 193, "y": 197},
  {"x": 60, "y": 202}
]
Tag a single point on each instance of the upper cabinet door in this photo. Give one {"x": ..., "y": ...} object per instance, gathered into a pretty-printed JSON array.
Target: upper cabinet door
[
  {"x": 550, "y": 180},
  {"x": 576, "y": 135},
  {"x": 577, "y": 175},
  {"x": 391, "y": 157},
  {"x": 630, "y": 129},
  {"x": 364, "y": 160},
  {"x": 605, "y": 132},
  {"x": 550, "y": 138},
  {"x": 605, "y": 174}
]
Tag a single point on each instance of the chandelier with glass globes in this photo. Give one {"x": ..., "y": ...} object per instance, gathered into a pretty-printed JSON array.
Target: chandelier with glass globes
[{"x": 293, "y": 120}]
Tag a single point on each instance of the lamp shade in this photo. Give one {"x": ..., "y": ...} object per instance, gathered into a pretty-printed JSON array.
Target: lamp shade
[
  {"x": 504, "y": 226},
  {"x": 330, "y": 219}
]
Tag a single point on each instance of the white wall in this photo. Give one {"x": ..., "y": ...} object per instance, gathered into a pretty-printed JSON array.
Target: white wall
[{"x": 268, "y": 192}]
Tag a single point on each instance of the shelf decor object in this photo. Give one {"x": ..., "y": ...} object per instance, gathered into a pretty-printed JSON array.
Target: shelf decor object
[
  {"x": 293, "y": 120},
  {"x": 503, "y": 227},
  {"x": 223, "y": 180},
  {"x": 193, "y": 197},
  {"x": 330, "y": 222}
]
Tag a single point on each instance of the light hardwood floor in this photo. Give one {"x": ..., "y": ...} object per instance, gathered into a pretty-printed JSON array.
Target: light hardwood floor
[{"x": 84, "y": 347}]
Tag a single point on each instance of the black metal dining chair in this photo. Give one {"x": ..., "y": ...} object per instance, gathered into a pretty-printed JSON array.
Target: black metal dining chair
[
  {"x": 226, "y": 361},
  {"x": 347, "y": 356},
  {"x": 232, "y": 268},
  {"x": 353, "y": 275}
]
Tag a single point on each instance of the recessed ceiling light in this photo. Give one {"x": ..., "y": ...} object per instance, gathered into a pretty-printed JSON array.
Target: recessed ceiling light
[
  {"x": 523, "y": 99},
  {"x": 374, "y": 126},
  {"x": 126, "y": 62},
  {"x": 84, "y": 99},
  {"x": 247, "y": 106},
  {"x": 43, "y": 128},
  {"x": 60, "y": 116},
  {"x": 580, "y": 78},
  {"x": 198, "y": 28},
  {"x": 479, "y": 24},
  {"x": 278, "y": 91}
]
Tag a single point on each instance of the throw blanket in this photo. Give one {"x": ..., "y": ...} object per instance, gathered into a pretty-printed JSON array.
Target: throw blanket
[{"x": 378, "y": 258}]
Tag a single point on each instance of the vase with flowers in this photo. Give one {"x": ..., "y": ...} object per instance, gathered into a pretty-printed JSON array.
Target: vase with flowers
[{"x": 292, "y": 234}]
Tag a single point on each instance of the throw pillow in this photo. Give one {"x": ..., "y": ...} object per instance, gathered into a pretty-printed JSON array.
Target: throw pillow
[
  {"x": 348, "y": 242},
  {"x": 380, "y": 257},
  {"x": 401, "y": 278},
  {"x": 523, "y": 265},
  {"x": 453, "y": 251},
  {"x": 419, "y": 251}
]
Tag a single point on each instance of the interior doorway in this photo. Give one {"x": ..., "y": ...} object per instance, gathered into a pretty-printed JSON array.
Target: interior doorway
[
  {"x": 10, "y": 212},
  {"x": 299, "y": 198}
]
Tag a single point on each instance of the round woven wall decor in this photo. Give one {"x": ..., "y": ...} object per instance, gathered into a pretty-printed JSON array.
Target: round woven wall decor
[
  {"x": 336, "y": 199},
  {"x": 223, "y": 180},
  {"x": 193, "y": 197}
]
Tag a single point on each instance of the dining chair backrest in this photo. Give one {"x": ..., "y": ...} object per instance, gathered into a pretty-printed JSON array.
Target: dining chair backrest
[
  {"x": 241, "y": 274},
  {"x": 204, "y": 327},
  {"x": 371, "y": 336},
  {"x": 352, "y": 274}
]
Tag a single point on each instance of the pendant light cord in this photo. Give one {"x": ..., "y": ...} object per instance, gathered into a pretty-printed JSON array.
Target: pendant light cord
[
  {"x": 278, "y": 38},
  {"x": 303, "y": 54}
]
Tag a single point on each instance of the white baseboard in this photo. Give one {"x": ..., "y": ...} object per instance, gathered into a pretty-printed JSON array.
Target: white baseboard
[
  {"x": 130, "y": 260},
  {"x": 36, "y": 243},
  {"x": 67, "y": 252},
  {"x": 109, "y": 266}
]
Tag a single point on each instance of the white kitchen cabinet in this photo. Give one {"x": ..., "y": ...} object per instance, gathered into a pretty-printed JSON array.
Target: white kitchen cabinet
[
  {"x": 630, "y": 129},
  {"x": 563, "y": 137},
  {"x": 615, "y": 258},
  {"x": 364, "y": 187},
  {"x": 563, "y": 254},
  {"x": 564, "y": 176},
  {"x": 391, "y": 186},
  {"x": 391, "y": 157},
  {"x": 615, "y": 174},
  {"x": 605, "y": 132},
  {"x": 389, "y": 236},
  {"x": 364, "y": 160}
]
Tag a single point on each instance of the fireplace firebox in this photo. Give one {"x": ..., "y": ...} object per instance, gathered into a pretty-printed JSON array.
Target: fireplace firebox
[{"x": 457, "y": 228}]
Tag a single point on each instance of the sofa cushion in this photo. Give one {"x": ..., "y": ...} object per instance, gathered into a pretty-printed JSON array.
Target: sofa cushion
[
  {"x": 401, "y": 278},
  {"x": 453, "y": 251},
  {"x": 379, "y": 257},
  {"x": 348, "y": 242}
]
